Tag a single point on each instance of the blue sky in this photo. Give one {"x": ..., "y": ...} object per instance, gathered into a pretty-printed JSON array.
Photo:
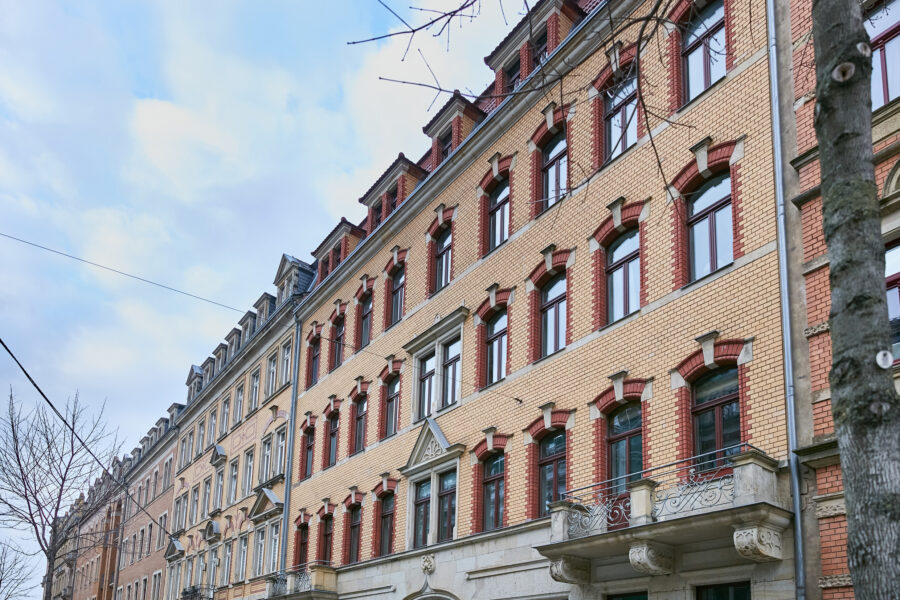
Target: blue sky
[{"x": 192, "y": 144}]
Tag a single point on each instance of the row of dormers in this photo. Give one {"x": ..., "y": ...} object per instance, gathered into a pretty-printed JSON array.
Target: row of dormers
[
  {"x": 292, "y": 278},
  {"x": 517, "y": 56}
]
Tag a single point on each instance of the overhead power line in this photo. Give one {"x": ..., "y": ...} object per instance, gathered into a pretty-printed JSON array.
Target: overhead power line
[
  {"x": 118, "y": 272},
  {"x": 69, "y": 426}
]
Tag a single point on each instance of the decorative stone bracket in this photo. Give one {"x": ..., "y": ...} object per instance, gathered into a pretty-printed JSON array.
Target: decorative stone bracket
[
  {"x": 758, "y": 542},
  {"x": 571, "y": 569},
  {"x": 652, "y": 558}
]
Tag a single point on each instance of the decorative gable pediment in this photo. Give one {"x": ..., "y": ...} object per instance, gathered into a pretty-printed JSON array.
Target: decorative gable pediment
[
  {"x": 174, "y": 550},
  {"x": 430, "y": 449},
  {"x": 285, "y": 266},
  {"x": 266, "y": 505},
  {"x": 218, "y": 456}
]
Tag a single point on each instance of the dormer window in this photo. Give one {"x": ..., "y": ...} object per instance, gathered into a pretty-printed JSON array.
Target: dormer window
[
  {"x": 539, "y": 50},
  {"x": 335, "y": 256},
  {"x": 513, "y": 76},
  {"x": 391, "y": 200},
  {"x": 446, "y": 145},
  {"x": 376, "y": 216}
]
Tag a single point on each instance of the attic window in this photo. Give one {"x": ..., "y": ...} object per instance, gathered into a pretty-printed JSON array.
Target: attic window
[
  {"x": 512, "y": 76},
  {"x": 539, "y": 50},
  {"x": 376, "y": 216},
  {"x": 446, "y": 145},
  {"x": 336, "y": 256},
  {"x": 391, "y": 200}
]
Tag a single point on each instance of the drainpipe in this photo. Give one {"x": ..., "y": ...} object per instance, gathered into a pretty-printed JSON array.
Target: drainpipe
[
  {"x": 786, "y": 327},
  {"x": 289, "y": 463}
]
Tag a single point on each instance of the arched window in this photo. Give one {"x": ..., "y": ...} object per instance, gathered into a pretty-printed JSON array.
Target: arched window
[
  {"x": 883, "y": 26},
  {"x": 623, "y": 275},
  {"x": 555, "y": 169},
  {"x": 625, "y": 440},
  {"x": 710, "y": 225},
  {"x": 717, "y": 417},
  {"x": 703, "y": 49},
  {"x": 496, "y": 347},
  {"x": 398, "y": 294},
  {"x": 620, "y": 114},
  {"x": 443, "y": 254},
  {"x": 331, "y": 441},
  {"x": 553, "y": 315},
  {"x": 551, "y": 470},
  {"x": 493, "y": 491},
  {"x": 338, "y": 333},
  {"x": 498, "y": 215},
  {"x": 360, "y": 414}
]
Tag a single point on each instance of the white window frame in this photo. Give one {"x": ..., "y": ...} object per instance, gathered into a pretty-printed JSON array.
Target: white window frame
[
  {"x": 279, "y": 449},
  {"x": 286, "y": 361},
  {"x": 433, "y": 341},
  {"x": 219, "y": 488},
  {"x": 243, "y": 552},
  {"x": 247, "y": 484},
  {"x": 265, "y": 459},
  {"x": 238, "y": 404},
  {"x": 271, "y": 374},
  {"x": 226, "y": 415},
  {"x": 254, "y": 390},
  {"x": 234, "y": 482},
  {"x": 227, "y": 550},
  {"x": 272, "y": 540}
]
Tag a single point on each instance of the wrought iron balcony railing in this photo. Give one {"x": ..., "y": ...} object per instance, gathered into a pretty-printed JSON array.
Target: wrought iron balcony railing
[
  {"x": 301, "y": 578},
  {"x": 679, "y": 489},
  {"x": 198, "y": 592}
]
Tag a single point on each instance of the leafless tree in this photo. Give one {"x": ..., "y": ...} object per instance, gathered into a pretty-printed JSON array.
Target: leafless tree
[
  {"x": 44, "y": 470},
  {"x": 15, "y": 573},
  {"x": 865, "y": 405}
]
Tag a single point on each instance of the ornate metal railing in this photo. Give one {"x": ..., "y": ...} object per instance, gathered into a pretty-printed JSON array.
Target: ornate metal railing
[
  {"x": 198, "y": 592},
  {"x": 678, "y": 489},
  {"x": 294, "y": 580}
]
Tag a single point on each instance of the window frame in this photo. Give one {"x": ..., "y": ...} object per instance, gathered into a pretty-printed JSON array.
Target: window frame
[
  {"x": 432, "y": 513},
  {"x": 623, "y": 263},
  {"x": 338, "y": 340},
  {"x": 620, "y": 110},
  {"x": 451, "y": 366},
  {"x": 326, "y": 548},
  {"x": 426, "y": 383},
  {"x": 560, "y": 161},
  {"x": 716, "y": 406},
  {"x": 557, "y": 304},
  {"x": 365, "y": 319},
  {"x": 498, "y": 203},
  {"x": 498, "y": 495},
  {"x": 315, "y": 357},
  {"x": 446, "y": 526},
  {"x": 391, "y": 401},
  {"x": 397, "y": 296},
  {"x": 443, "y": 258},
  {"x": 309, "y": 444},
  {"x": 612, "y": 439},
  {"x": 333, "y": 423},
  {"x": 702, "y": 40},
  {"x": 553, "y": 460},
  {"x": 354, "y": 536},
  {"x": 360, "y": 423},
  {"x": 708, "y": 214},
  {"x": 386, "y": 518},
  {"x": 496, "y": 343}
]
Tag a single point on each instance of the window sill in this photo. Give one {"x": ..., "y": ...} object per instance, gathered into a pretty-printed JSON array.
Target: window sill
[
  {"x": 497, "y": 247},
  {"x": 491, "y": 384},
  {"x": 685, "y": 105},
  {"x": 546, "y": 210},
  {"x": 551, "y": 355},
  {"x": 709, "y": 275}
]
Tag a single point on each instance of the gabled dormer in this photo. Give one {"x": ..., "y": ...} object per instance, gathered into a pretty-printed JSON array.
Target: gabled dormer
[
  {"x": 209, "y": 369},
  {"x": 390, "y": 190},
  {"x": 530, "y": 42},
  {"x": 336, "y": 246},
  {"x": 145, "y": 443},
  {"x": 221, "y": 354},
  {"x": 162, "y": 426},
  {"x": 265, "y": 307},
  {"x": 135, "y": 455},
  {"x": 174, "y": 410},
  {"x": 194, "y": 382},
  {"x": 450, "y": 126},
  {"x": 234, "y": 342},
  {"x": 248, "y": 326}
]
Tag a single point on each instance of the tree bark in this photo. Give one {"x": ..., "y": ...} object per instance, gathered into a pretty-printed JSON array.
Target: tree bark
[{"x": 865, "y": 405}]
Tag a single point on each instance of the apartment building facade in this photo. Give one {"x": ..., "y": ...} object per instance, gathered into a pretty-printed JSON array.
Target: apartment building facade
[{"x": 550, "y": 362}]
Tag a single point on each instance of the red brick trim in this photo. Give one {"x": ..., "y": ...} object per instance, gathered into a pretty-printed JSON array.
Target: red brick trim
[
  {"x": 390, "y": 371},
  {"x": 380, "y": 491},
  {"x": 326, "y": 511},
  {"x": 392, "y": 265},
  {"x": 725, "y": 352},
  {"x": 401, "y": 192},
  {"x": 353, "y": 499},
  {"x": 558, "y": 419},
  {"x": 303, "y": 518},
  {"x": 632, "y": 389},
  {"x": 359, "y": 391},
  {"x": 364, "y": 287},
  {"x": 386, "y": 377},
  {"x": 605, "y": 235},
  {"x": 482, "y": 453},
  {"x": 552, "y": 32},
  {"x": 718, "y": 157},
  {"x": 525, "y": 60},
  {"x": 485, "y": 311},
  {"x": 328, "y": 411},
  {"x": 456, "y": 132},
  {"x": 310, "y": 429},
  {"x": 338, "y": 312},
  {"x": 487, "y": 185},
  {"x": 540, "y": 275},
  {"x": 737, "y": 211},
  {"x": 500, "y": 84},
  {"x": 537, "y": 431},
  {"x": 540, "y": 137},
  {"x": 543, "y": 134},
  {"x": 315, "y": 331}
]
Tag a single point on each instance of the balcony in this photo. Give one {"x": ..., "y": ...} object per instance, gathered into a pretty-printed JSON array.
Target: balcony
[
  {"x": 314, "y": 580},
  {"x": 724, "y": 498},
  {"x": 198, "y": 592}
]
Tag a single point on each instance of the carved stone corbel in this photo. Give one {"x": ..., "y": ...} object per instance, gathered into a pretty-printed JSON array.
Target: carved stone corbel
[
  {"x": 571, "y": 569},
  {"x": 758, "y": 542},
  {"x": 651, "y": 558}
]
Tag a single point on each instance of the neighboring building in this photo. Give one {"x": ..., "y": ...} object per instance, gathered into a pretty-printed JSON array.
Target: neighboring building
[
  {"x": 826, "y": 521},
  {"x": 62, "y": 579},
  {"x": 145, "y": 525},
  {"x": 549, "y": 362},
  {"x": 96, "y": 546}
]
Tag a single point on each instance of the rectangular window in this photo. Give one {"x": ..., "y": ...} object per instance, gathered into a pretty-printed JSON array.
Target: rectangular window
[
  {"x": 212, "y": 428},
  {"x": 555, "y": 170},
  {"x": 254, "y": 391},
  {"x": 195, "y": 504},
  {"x": 232, "y": 481},
  {"x": 285, "y": 362},
  {"x": 265, "y": 459},
  {"x": 220, "y": 488},
  {"x": 493, "y": 492},
  {"x": 443, "y": 258},
  {"x": 310, "y": 438},
  {"x": 359, "y": 430},
  {"x": 365, "y": 321},
  {"x": 207, "y": 496},
  {"x": 327, "y": 525},
  {"x": 392, "y": 401},
  {"x": 302, "y": 545},
  {"x": 355, "y": 522},
  {"x": 315, "y": 350},
  {"x": 212, "y": 570},
  {"x": 422, "y": 513},
  {"x": 259, "y": 552},
  {"x": 337, "y": 340},
  {"x": 386, "y": 527},
  {"x": 238, "y": 404},
  {"x": 226, "y": 412},
  {"x": 274, "y": 534},
  {"x": 447, "y": 506},
  {"x": 167, "y": 473},
  {"x": 498, "y": 213},
  {"x": 333, "y": 424},
  {"x": 496, "y": 348},
  {"x": 551, "y": 470},
  {"x": 446, "y": 145},
  {"x": 248, "y": 472},
  {"x": 161, "y": 532},
  {"x": 450, "y": 373},
  {"x": 272, "y": 374},
  {"x": 241, "y": 566},
  {"x": 426, "y": 385},
  {"x": 553, "y": 316},
  {"x": 225, "y": 577},
  {"x": 280, "y": 443},
  {"x": 398, "y": 293},
  {"x": 728, "y": 591},
  {"x": 201, "y": 437}
]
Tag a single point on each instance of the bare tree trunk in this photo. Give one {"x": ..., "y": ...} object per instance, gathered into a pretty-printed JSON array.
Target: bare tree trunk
[{"x": 865, "y": 405}]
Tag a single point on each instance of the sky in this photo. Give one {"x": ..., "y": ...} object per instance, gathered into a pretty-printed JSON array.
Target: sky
[{"x": 190, "y": 143}]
